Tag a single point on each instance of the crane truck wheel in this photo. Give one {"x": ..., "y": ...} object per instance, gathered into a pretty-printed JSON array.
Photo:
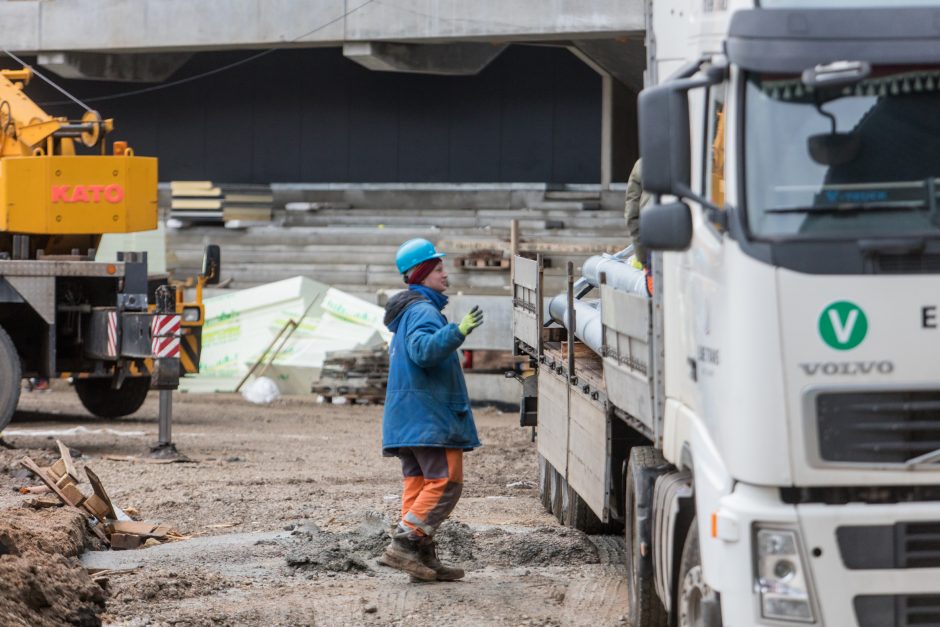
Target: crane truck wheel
[
  {"x": 10, "y": 379},
  {"x": 645, "y": 608},
  {"x": 102, "y": 401},
  {"x": 698, "y": 604}
]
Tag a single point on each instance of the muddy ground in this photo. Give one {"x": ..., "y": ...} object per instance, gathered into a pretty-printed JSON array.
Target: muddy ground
[{"x": 287, "y": 508}]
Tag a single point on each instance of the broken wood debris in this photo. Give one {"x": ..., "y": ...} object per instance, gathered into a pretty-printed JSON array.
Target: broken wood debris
[
  {"x": 356, "y": 375},
  {"x": 104, "y": 519}
]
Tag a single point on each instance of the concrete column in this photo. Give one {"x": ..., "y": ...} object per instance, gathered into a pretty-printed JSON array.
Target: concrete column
[{"x": 619, "y": 137}]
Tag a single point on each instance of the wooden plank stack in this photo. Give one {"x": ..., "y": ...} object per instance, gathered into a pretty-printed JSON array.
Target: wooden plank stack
[
  {"x": 205, "y": 202},
  {"x": 359, "y": 376},
  {"x": 482, "y": 260}
]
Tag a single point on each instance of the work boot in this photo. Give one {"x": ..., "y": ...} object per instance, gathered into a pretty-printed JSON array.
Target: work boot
[
  {"x": 403, "y": 554},
  {"x": 427, "y": 550}
]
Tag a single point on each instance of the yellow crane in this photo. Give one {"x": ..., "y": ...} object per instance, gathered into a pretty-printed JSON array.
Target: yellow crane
[{"x": 117, "y": 331}]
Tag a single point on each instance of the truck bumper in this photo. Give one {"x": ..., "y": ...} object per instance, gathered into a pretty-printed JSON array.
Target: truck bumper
[{"x": 853, "y": 581}]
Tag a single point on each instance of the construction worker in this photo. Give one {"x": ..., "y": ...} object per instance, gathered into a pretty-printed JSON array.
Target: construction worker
[
  {"x": 637, "y": 199},
  {"x": 427, "y": 422}
]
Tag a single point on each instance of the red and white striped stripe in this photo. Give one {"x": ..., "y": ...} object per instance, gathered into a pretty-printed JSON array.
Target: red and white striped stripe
[
  {"x": 165, "y": 335},
  {"x": 166, "y": 347},
  {"x": 112, "y": 333},
  {"x": 164, "y": 325}
]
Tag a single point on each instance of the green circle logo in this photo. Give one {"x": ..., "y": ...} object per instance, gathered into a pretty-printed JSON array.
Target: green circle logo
[{"x": 843, "y": 325}]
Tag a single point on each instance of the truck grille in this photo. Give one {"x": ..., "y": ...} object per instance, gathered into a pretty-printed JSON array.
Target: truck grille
[
  {"x": 908, "y": 264},
  {"x": 902, "y": 545},
  {"x": 898, "y": 610},
  {"x": 877, "y": 427}
]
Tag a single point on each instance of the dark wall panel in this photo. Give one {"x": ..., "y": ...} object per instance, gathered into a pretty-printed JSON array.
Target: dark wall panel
[
  {"x": 527, "y": 115},
  {"x": 423, "y": 147},
  {"x": 533, "y": 115},
  {"x": 324, "y": 124},
  {"x": 474, "y": 126}
]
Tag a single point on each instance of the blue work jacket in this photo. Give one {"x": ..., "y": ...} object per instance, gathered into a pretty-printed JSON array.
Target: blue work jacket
[{"x": 426, "y": 403}]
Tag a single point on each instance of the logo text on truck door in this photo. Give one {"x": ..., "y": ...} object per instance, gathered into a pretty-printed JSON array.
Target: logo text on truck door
[{"x": 843, "y": 325}]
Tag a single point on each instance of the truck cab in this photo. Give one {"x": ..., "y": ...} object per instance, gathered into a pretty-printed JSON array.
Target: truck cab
[{"x": 797, "y": 158}]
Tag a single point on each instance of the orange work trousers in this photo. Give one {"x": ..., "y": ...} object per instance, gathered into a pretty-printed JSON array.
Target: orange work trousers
[{"x": 433, "y": 479}]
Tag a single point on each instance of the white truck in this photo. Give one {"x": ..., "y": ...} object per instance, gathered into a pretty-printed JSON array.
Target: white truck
[{"x": 766, "y": 427}]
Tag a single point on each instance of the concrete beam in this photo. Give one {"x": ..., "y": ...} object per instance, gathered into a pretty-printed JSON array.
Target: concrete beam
[
  {"x": 624, "y": 58},
  {"x": 460, "y": 59},
  {"x": 33, "y": 26},
  {"x": 97, "y": 66}
]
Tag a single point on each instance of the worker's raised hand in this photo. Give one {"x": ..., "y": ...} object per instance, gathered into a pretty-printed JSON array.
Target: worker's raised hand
[{"x": 472, "y": 320}]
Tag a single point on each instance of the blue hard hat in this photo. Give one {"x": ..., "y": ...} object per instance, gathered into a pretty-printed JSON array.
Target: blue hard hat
[{"x": 413, "y": 252}]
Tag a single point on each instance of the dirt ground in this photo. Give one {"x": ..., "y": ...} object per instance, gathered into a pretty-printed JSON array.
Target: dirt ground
[{"x": 287, "y": 507}]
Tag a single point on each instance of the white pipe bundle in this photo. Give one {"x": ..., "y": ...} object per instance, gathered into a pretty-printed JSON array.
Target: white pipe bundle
[
  {"x": 587, "y": 317},
  {"x": 620, "y": 275}
]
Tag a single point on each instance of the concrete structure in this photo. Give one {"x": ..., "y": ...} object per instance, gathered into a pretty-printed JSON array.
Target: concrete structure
[
  {"x": 154, "y": 41},
  {"x": 173, "y": 25}
]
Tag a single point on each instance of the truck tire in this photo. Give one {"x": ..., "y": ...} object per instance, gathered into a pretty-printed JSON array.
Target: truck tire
[
  {"x": 10, "y": 379},
  {"x": 559, "y": 494},
  {"x": 99, "y": 399},
  {"x": 545, "y": 483},
  {"x": 697, "y": 605},
  {"x": 645, "y": 608},
  {"x": 580, "y": 516}
]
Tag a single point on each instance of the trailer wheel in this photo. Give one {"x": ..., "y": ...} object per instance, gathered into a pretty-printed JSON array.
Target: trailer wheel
[
  {"x": 545, "y": 483},
  {"x": 697, "y": 604},
  {"x": 98, "y": 397},
  {"x": 580, "y": 516},
  {"x": 10, "y": 379},
  {"x": 646, "y": 609},
  {"x": 559, "y": 493}
]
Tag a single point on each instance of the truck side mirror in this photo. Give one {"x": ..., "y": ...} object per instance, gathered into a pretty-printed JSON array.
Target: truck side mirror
[
  {"x": 212, "y": 264},
  {"x": 665, "y": 137},
  {"x": 666, "y": 227}
]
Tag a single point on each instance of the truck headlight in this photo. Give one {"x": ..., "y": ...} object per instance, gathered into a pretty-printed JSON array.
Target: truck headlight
[{"x": 781, "y": 578}]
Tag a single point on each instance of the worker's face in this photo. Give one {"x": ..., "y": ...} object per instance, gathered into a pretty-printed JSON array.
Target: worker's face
[{"x": 437, "y": 280}]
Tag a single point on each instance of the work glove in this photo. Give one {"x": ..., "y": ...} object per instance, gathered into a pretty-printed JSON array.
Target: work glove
[
  {"x": 472, "y": 320},
  {"x": 635, "y": 263}
]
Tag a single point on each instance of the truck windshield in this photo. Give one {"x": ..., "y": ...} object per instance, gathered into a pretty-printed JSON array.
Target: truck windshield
[{"x": 858, "y": 160}]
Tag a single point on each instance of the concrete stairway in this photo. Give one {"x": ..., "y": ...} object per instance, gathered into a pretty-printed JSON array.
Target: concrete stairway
[{"x": 354, "y": 248}]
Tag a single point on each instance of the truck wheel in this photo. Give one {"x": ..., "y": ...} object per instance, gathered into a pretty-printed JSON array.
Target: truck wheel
[
  {"x": 580, "y": 516},
  {"x": 698, "y": 605},
  {"x": 559, "y": 492},
  {"x": 545, "y": 483},
  {"x": 10, "y": 379},
  {"x": 646, "y": 609},
  {"x": 98, "y": 397}
]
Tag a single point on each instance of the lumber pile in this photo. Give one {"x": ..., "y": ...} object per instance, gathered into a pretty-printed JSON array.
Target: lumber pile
[
  {"x": 487, "y": 259},
  {"x": 205, "y": 202},
  {"x": 359, "y": 376}
]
